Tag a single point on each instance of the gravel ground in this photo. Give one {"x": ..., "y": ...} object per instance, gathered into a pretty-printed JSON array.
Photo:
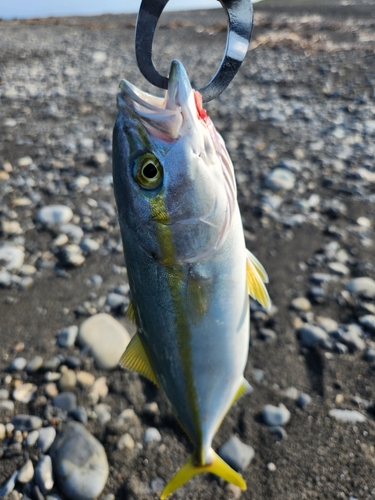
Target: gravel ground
[{"x": 299, "y": 123}]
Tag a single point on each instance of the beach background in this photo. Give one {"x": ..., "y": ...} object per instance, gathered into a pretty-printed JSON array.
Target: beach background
[{"x": 299, "y": 123}]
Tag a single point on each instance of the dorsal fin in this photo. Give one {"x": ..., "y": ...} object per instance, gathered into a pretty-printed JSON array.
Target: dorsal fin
[
  {"x": 135, "y": 358},
  {"x": 256, "y": 277}
]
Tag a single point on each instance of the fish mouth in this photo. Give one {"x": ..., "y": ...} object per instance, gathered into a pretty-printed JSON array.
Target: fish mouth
[{"x": 162, "y": 117}]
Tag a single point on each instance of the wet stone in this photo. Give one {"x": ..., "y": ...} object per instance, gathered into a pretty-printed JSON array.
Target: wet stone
[
  {"x": 275, "y": 415},
  {"x": 236, "y": 453},
  {"x": 80, "y": 463}
]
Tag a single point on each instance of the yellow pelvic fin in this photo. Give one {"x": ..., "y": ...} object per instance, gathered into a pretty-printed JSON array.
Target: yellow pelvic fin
[
  {"x": 136, "y": 359},
  {"x": 256, "y": 278},
  {"x": 197, "y": 297},
  {"x": 245, "y": 388},
  {"x": 189, "y": 470},
  {"x": 130, "y": 312}
]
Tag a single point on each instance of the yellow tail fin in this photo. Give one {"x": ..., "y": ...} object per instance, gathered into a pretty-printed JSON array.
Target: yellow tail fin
[{"x": 189, "y": 470}]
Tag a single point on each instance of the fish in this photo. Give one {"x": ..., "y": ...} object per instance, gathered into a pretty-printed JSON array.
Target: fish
[{"x": 190, "y": 274}]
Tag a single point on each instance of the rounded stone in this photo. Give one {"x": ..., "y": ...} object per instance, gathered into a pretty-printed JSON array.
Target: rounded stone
[
  {"x": 279, "y": 432},
  {"x": 310, "y": 335},
  {"x": 43, "y": 474},
  {"x": 236, "y": 453},
  {"x": 55, "y": 214},
  {"x": 66, "y": 401},
  {"x": 152, "y": 435},
  {"x": 280, "y": 179},
  {"x": 106, "y": 349},
  {"x": 338, "y": 268},
  {"x": 352, "y": 416},
  {"x": 32, "y": 438},
  {"x": 9, "y": 485},
  {"x": 275, "y": 415},
  {"x": 24, "y": 393},
  {"x": 301, "y": 304},
  {"x": 46, "y": 438},
  {"x": 12, "y": 256},
  {"x": 34, "y": 364},
  {"x": 18, "y": 365},
  {"x": 303, "y": 400},
  {"x": 67, "y": 336},
  {"x": 80, "y": 463},
  {"x": 125, "y": 441},
  {"x": 68, "y": 380},
  {"x": 362, "y": 286},
  {"x": 368, "y": 322},
  {"x": 26, "y": 473}
]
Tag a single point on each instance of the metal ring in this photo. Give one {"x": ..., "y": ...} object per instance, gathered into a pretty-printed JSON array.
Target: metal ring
[{"x": 240, "y": 25}]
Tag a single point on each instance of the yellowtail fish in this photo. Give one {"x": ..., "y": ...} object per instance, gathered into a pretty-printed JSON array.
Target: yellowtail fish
[{"x": 189, "y": 271}]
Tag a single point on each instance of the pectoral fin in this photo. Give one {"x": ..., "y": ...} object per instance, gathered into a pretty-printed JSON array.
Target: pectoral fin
[
  {"x": 135, "y": 358},
  {"x": 190, "y": 469},
  {"x": 256, "y": 278}
]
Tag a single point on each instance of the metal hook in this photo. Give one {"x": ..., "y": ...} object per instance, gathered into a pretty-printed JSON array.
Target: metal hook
[{"x": 240, "y": 25}]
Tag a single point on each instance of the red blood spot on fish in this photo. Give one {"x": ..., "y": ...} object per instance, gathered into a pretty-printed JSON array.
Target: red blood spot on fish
[{"x": 202, "y": 113}]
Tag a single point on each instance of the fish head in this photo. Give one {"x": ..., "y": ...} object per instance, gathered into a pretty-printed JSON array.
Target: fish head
[{"x": 173, "y": 178}]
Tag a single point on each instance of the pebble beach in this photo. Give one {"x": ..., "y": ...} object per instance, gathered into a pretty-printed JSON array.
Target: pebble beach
[{"x": 299, "y": 124}]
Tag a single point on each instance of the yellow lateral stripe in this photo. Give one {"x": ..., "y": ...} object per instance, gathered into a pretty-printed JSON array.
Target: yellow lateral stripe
[
  {"x": 189, "y": 470},
  {"x": 136, "y": 359},
  {"x": 255, "y": 286}
]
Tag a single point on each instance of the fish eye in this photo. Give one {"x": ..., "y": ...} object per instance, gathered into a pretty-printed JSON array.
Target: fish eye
[{"x": 148, "y": 171}]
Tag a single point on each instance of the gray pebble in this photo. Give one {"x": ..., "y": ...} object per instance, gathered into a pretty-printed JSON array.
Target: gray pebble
[
  {"x": 32, "y": 438},
  {"x": 364, "y": 287},
  {"x": 9, "y": 485},
  {"x": 95, "y": 280},
  {"x": 310, "y": 335},
  {"x": 370, "y": 355},
  {"x": 89, "y": 245},
  {"x": 157, "y": 484},
  {"x": 66, "y": 401},
  {"x": 341, "y": 348},
  {"x": 79, "y": 414},
  {"x": 236, "y": 453},
  {"x": 7, "y": 405},
  {"x": 301, "y": 304},
  {"x": 55, "y": 214},
  {"x": 103, "y": 412},
  {"x": 67, "y": 336},
  {"x": 24, "y": 393},
  {"x": 338, "y": 268},
  {"x": 26, "y": 473},
  {"x": 152, "y": 435},
  {"x": 125, "y": 441},
  {"x": 347, "y": 415},
  {"x": 106, "y": 354},
  {"x": 259, "y": 375},
  {"x": 322, "y": 278},
  {"x": 12, "y": 257},
  {"x": 267, "y": 335},
  {"x": 368, "y": 322},
  {"x": 279, "y": 432},
  {"x": 280, "y": 179},
  {"x": 46, "y": 438},
  {"x": 351, "y": 336},
  {"x": 80, "y": 463},
  {"x": 53, "y": 496},
  {"x": 303, "y": 400},
  {"x": 43, "y": 474},
  {"x": 68, "y": 380},
  {"x": 74, "y": 232},
  {"x": 18, "y": 364},
  {"x": 275, "y": 415},
  {"x": 115, "y": 300},
  {"x": 4, "y": 394},
  {"x": 34, "y": 364},
  {"x": 328, "y": 324},
  {"x": 5, "y": 279},
  {"x": 27, "y": 422},
  {"x": 52, "y": 364}
]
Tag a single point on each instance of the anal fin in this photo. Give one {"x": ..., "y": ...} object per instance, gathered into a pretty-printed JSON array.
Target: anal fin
[
  {"x": 190, "y": 469},
  {"x": 245, "y": 388},
  {"x": 135, "y": 358},
  {"x": 130, "y": 312}
]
